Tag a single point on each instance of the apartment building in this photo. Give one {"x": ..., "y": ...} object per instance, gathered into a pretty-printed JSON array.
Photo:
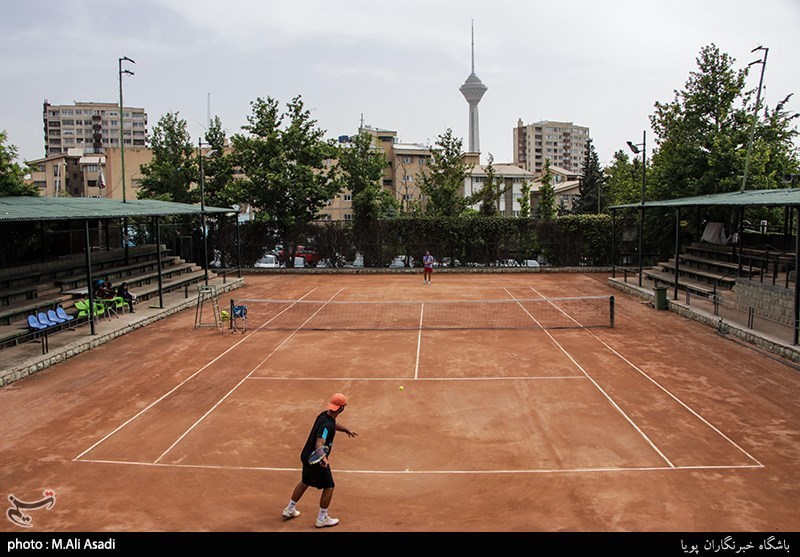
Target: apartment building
[
  {"x": 92, "y": 127},
  {"x": 76, "y": 173},
  {"x": 564, "y": 143},
  {"x": 513, "y": 179},
  {"x": 401, "y": 177}
]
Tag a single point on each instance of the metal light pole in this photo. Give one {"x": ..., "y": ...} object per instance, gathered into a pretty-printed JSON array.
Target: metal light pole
[
  {"x": 635, "y": 148},
  {"x": 122, "y": 124},
  {"x": 763, "y": 63},
  {"x": 203, "y": 208}
]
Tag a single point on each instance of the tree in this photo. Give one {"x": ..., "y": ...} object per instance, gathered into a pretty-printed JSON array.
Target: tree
[
  {"x": 489, "y": 195},
  {"x": 525, "y": 200},
  {"x": 218, "y": 169},
  {"x": 443, "y": 181},
  {"x": 285, "y": 163},
  {"x": 361, "y": 165},
  {"x": 623, "y": 180},
  {"x": 703, "y": 135},
  {"x": 12, "y": 175},
  {"x": 591, "y": 198},
  {"x": 547, "y": 197},
  {"x": 172, "y": 171}
]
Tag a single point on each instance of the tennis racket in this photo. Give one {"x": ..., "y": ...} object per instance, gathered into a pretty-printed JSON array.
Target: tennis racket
[{"x": 318, "y": 455}]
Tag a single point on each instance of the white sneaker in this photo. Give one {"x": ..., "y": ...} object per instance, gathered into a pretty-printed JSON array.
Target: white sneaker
[
  {"x": 327, "y": 521},
  {"x": 294, "y": 513}
]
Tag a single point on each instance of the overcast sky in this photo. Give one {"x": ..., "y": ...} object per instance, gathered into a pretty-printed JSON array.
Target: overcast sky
[{"x": 602, "y": 64}]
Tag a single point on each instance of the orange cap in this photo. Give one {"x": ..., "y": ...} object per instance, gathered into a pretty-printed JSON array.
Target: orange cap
[{"x": 337, "y": 401}]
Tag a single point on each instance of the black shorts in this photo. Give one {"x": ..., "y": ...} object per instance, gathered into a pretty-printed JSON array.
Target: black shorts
[{"x": 317, "y": 476}]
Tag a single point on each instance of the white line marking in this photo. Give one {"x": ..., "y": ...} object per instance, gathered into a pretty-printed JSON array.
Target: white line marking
[
  {"x": 675, "y": 398},
  {"x": 598, "y": 387},
  {"x": 499, "y": 378},
  {"x": 419, "y": 339},
  {"x": 175, "y": 388},
  {"x": 439, "y": 472},
  {"x": 220, "y": 401}
]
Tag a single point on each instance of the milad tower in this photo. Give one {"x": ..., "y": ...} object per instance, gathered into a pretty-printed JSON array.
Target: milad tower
[{"x": 473, "y": 90}]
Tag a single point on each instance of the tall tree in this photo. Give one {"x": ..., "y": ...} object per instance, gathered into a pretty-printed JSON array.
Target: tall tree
[
  {"x": 285, "y": 162},
  {"x": 488, "y": 196},
  {"x": 442, "y": 182},
  {"x": 547, "y": 197},
  {"x": 12, "y": 175},
  {"x": 218, "y": 168},
  {"x": 592, "y": 183},
  {"x": 525, "y": 200},
  {"x": 703, "y": 134},
  {"x": 362, "y": 165},
  {"x": 170, "y": 174},
  {"x": 623, "y": 179}
]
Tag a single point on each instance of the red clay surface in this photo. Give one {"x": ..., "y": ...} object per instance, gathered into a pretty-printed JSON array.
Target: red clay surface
[{"x": 655, "y": 425}]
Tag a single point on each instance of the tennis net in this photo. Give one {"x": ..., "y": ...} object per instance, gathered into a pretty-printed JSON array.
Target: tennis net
[{"x": 538, "y": 313}]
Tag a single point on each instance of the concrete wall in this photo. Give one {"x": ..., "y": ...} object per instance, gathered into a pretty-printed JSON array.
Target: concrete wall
[{"x": 775, "y": 303}]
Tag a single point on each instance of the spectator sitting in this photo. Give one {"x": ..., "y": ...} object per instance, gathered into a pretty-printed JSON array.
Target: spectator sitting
[
  {"x": 104, "y": 290},
  {"x": 127, "y": 295}
]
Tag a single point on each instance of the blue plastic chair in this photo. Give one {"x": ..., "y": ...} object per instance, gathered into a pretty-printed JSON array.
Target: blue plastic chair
[
  {"x": 51, "y": 315},
  {"x": 34, "y": 324},
  {"x": 63, "y": 314},
  {"x": 44, "y": 320}
]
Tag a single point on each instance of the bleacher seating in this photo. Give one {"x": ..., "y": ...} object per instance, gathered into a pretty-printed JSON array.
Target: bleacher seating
[{"x": 57, "y": 285}]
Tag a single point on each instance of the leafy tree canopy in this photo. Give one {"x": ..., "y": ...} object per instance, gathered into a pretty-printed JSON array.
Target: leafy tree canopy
[{"x": 12, "y": 175}]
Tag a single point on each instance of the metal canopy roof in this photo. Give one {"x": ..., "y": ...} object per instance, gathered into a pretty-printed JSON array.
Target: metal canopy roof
[
  {"x": 780, "y": 197},
  {"x": 74, "y": 208}
]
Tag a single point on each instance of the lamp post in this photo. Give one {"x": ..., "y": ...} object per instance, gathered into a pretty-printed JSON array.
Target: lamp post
[
  {"x": 122, "y": 124},
  {"x": 203, "y": 207},
  {"x": 635, "y": 148},
  {"x": 763, "y": 63}
]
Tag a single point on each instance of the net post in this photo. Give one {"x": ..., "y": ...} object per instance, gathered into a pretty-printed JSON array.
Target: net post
[
  {"x": 611, "y": 309},
  {"x": 230, "y": 321}
]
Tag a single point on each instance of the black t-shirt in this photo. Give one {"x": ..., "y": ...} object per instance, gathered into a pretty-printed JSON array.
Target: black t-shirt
[{"x": 324, "y": 427}]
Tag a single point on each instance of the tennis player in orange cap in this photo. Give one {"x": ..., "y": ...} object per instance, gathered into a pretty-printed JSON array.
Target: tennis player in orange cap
[{"x": 319, "y": 475}]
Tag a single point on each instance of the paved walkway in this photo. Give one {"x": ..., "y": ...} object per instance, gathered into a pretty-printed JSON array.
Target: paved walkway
[{"x": 23, "y": 360}]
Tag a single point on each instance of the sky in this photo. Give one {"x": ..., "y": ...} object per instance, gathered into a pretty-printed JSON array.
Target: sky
[{"x": 602, "y": 64}]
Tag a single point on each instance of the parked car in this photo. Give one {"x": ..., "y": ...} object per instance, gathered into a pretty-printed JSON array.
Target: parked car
[
  {"x": 269, "y": 261},
  {"x": 447, "y": 262},
  {"x": 400, "y": 261},
  {"x": 530, "y": 263},
  {"x": 310, "y": 257}
]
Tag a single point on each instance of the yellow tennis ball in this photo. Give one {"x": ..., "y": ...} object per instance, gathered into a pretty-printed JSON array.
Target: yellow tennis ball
[{"x": 402, "y": 388}]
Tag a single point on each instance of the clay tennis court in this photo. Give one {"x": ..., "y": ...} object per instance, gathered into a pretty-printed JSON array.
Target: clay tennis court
[{"x": 656, "y": 424}]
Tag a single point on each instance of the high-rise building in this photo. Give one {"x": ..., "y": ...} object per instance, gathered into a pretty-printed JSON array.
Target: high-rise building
[
  {"x": 564, "y": 143},
  {"x": 473, "y": 91},
  {"x": 91, "y": 126}
]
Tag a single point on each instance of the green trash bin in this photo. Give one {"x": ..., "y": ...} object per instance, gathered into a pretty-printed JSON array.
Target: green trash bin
[{"x": 660, "y": 297}]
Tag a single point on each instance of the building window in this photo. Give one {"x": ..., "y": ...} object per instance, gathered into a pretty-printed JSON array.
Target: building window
[
  {"x": 408, "y": 178},
  {"x": 347, "y": 197},
  {"x": 407, "y": 159},
  {"x": 348, "y": 216}
]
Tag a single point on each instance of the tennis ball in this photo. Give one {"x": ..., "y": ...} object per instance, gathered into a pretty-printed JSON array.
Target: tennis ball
[{"x": 402, "y": 388}]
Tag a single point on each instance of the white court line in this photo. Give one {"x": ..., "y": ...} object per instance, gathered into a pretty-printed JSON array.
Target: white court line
[
  {"x": 178, "y": 386},
  {"x": 419, "y": 340},
  {"x": 598, "y": 387},
  {"x": 604, "y": 469},
  {"x": 399, "y": 378},
  {"x": 675, "y": 398},
  {"x": 220, "y": 401}
]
